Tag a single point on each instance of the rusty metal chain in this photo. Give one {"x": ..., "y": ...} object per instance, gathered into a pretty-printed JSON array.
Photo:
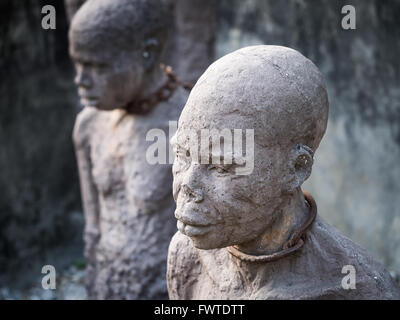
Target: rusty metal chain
[{"x": 144, "y": 106}]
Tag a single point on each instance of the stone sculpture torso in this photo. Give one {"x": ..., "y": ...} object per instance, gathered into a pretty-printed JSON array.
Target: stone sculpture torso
[
  {"x": 313, "y": 272},
  {"x": 135, "y": 205}
]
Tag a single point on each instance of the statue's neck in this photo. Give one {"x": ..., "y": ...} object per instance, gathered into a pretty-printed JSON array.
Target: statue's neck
[
  {"x": 291, "y": 214},
  {"x": 147, "y": 98}
]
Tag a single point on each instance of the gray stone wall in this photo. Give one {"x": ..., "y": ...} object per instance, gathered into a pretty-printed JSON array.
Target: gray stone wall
[{"x": 356, "y": 176}]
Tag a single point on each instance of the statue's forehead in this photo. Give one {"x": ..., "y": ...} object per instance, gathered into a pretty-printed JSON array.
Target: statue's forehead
[
  {"x": 218, "y": 110},
  {"x": 205, "y": 127},
  {"x": 200, "y": 116},
  {"x": 86, "y": 55},
  {"x": 100, "y": 38},
  {"x": 215, "y": 114},
  {"x": 98, "y": 49}
]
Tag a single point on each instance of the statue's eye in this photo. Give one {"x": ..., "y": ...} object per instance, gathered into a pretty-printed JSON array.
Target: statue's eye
[{"x": 100, "y": 67}]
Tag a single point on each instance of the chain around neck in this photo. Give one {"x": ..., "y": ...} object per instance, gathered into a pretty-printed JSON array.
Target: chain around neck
[{"x": 165, "y": 92}]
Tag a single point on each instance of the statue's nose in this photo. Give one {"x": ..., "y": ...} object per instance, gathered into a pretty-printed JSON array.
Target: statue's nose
[
  {"x": 196, "y": 195},
  {"x": 82, "y": 78}
]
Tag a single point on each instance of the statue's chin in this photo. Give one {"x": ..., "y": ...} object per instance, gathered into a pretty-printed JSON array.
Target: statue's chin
[
  {"x": 203, "y": 246},
  {"x": 206, "y": 244},
  {"x": 97, "y": 103},
  {"x": 104, "y": 108},
  {"x": 92, "y": 102}
]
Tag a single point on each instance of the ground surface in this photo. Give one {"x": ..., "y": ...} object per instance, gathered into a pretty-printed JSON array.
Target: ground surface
[{"x": 70, "y": 286}]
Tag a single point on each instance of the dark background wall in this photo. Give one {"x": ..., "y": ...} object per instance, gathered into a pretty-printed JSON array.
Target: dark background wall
[
  {"x": 39, "y": 193},
  {"x": 356, "y": 177}
]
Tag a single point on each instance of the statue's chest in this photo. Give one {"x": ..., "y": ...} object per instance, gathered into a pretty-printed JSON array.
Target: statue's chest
[
  {"x": 290, "y": 278},
  {"x": 121, "y": 169},
  {"x": 219, "y": 278},
  {"x": 115, "y": 153}
]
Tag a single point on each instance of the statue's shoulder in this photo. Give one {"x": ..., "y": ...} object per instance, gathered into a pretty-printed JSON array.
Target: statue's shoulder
[
  {"x": 84, "y": 125},
  {"x": 339, "y": 256},
  {"x": 183, "y": 266}
]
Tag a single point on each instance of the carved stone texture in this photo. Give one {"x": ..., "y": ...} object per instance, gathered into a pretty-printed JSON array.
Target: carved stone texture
[
  {"x": 116, "y": 46},
  {"x": 282, "y": 96}
]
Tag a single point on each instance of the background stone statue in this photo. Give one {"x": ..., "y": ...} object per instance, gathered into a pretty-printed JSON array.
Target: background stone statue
[
  {"x": 117, "y": 48},
  {"x": 256, "y": 236}
]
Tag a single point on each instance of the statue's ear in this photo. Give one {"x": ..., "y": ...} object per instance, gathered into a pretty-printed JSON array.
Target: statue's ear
[
  {"x": 150, "y": 52},
  {"x": 299, "y": 166}
]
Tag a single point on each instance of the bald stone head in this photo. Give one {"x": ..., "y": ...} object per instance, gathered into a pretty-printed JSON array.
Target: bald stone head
[
  {"x": 116, "y": 46},
  {"x": 281, "y": 95}
]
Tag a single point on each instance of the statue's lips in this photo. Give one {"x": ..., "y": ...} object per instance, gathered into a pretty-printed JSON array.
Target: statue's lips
[
  {"x": 87, "y": 94},
  {"x": 89, "y": 97},
  {"x": 89, "y": 100},
  {"x": 193, "y": 230}
]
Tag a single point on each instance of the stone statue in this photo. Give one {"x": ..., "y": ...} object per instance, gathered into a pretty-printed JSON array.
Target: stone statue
[
  {"x": 117, "y": 47},
  {"x": 257, "y": 235}
]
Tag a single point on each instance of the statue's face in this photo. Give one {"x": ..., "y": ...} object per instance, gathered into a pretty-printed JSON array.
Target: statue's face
[
  {"x": 279, "y": 94},
  {"x": 107, "y": 81},
  {"x": 216, "y": 207}
]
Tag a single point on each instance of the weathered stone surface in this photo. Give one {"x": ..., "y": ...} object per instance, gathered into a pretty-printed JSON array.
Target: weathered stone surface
[
  {"x": 281, "y": 95},
  {"x": 117, "y": 47}
]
